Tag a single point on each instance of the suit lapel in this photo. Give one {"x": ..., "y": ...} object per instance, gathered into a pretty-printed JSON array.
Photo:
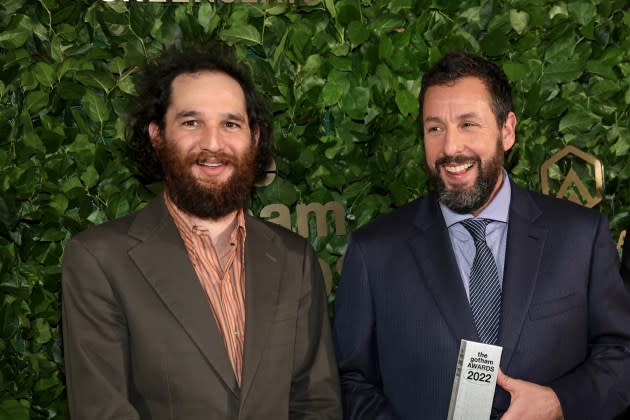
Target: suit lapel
[
  {"x": 264, "y": 261},
  {"x": 433, "y": 252},
  {"x": 525, "y": 244},
  {"x": 162, "y": 258}
]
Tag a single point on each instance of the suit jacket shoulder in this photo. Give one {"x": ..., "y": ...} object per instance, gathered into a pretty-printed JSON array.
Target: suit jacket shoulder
[
  {"x": 290, "y": 240},
  {"x": 402, "y": 222},
  {"x": 550, "y": 206}
]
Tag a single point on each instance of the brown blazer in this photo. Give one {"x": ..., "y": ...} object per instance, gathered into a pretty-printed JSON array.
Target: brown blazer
[{"x": 141, "y": 342}]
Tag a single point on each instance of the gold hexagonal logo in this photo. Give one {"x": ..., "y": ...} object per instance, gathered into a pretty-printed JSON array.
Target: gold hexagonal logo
[{"x": 584, "y": 180}]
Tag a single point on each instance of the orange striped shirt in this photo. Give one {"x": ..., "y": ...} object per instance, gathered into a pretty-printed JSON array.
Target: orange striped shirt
[{"x": 224, "y": 286}]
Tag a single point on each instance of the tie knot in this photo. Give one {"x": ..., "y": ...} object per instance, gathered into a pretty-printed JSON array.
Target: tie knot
[{"x": 477, "y": 228}]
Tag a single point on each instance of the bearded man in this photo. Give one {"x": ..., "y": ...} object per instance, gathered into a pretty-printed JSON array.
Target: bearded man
[
  {"x": 190, "y": 308},
  {"x": 550, "y": 294}
]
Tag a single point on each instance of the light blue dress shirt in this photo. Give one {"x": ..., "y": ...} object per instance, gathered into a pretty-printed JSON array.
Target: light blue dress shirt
[{"x": 496, "y": 232}]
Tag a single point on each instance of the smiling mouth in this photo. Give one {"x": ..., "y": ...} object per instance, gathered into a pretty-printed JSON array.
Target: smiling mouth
[
  {"x": 211, "y": 164},
  {"x": 458, "y": 169}
]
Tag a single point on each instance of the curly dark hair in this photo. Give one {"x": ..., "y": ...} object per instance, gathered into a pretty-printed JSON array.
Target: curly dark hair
[
  {"x": 153, "y": 87},
  {"x": 454, "y": 66}
]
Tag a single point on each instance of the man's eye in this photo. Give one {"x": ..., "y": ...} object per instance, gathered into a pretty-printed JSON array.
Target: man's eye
[
  {"x": 231, "y": 124},
  {"x": 434, "y": 129},
  {"x": 191, "y": 123}
]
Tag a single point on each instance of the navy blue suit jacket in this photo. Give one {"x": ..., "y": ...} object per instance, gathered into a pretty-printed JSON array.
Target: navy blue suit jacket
[{"x": 401, "y": 311}]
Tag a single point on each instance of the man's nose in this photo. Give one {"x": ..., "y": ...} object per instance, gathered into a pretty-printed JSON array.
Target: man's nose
[
  {"x": 454, "y": 142},
  {"x": 211, "y": 139}
]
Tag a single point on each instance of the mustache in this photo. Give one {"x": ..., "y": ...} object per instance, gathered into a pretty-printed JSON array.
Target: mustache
[
  {"x": 459, "y": 159},
  {"x": 205, "y": 156}
]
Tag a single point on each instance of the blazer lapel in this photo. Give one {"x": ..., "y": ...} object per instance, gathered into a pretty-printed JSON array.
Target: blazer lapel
[
  {"x": 264, "y": 261},
  {"x": 162, "y": 257},
  {"x": 525, "y": 244},
  {"x": 432, "y": 249}
]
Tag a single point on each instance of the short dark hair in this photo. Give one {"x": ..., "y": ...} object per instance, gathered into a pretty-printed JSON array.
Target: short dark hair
[
  {"x": 456, "y": 65},
  {"x": 153, "y": 88}
]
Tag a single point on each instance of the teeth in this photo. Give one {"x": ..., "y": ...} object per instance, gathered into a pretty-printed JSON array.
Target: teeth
[
  {"x": 210, "y": 164},
  {"x": 459, "y": 168}
]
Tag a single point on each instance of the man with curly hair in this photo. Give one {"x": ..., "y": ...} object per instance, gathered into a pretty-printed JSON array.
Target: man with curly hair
[{"x": 190, "y": 308}]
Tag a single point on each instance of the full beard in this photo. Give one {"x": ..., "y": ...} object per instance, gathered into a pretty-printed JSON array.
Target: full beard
[
  {"x": 465, "y": 201},
  {"x": 208, "y": 200}
]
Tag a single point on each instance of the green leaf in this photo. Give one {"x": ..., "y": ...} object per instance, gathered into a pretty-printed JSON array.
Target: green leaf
[
  {"x": 9, "y": 322},
  {"x": 69, "y": 184},
  {"x": 562, "y": 71},
  {"x": 246, "y": 33},
  {"x": 126, "y": 85},
  {"x": 59, "y": 203},
  {"x": 117, "y": 6},
  {"x": 97, "y": 217},
  {"x": 519, "y": 21},
  {"x": 332, "y": 92},
  {"x": 13, "y": 410},
  {"x": 559, "y": 9},
  {"x": 358, "y": 33},
  {"x": 279, "y": 51},
  {"x": 621, "y": 147},
  {"x": 312, "y": 65},
  {"x": 407, "y": 103},
  {"x": 347, "y": 11},
  {"x": 56, "y": 49},
  {"x": 45, "y": 74},
  {"x": 21, "y": 27},
  {"x": 495, "y": 43},
  {"x": 42, "y": 331},
  {"x": 385, "y": 47},
  {"x": 515, "y": 71},
  {"x": 95, "y": 106},
  {"x": 206, "y": 16},
  {"x": 577, "y": 122},
  {"x": 35, "y": 101},
  {"x": 33, "y": 142},
  {"x": 355, "y": 104},
  {"x": 275, "y": 10},
  {"x": 90, "y": 177},
  {"x": 330, "y": 6},
  {"x": 583, "y": 11},
  {"x": 97, "y": 79},
  {"x": 14, "y": 38},
  {"x": 281, "y": 191},
  {"x": 117, "y": 207}
]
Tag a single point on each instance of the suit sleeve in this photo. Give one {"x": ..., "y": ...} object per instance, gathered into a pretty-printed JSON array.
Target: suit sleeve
[
  {"x": 354, "y": 335},
  {"x": 625, "y": 259},
  {"x": 315, "y": 384},
  {"x": 95, "y": 341},
  {"x": 608, "y": 360}
]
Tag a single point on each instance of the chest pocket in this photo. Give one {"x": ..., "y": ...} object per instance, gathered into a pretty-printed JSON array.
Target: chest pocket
[{"x": 555, "y": 307}]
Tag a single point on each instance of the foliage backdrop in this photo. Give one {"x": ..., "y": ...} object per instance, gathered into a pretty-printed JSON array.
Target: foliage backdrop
[{"x": 342, "y": 79}]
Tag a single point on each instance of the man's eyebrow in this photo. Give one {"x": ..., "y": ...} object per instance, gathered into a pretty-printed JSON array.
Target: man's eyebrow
[
  {"x": 465, "y": 116},
  {"x": 468, "y": 115},
  {"x": 187, "y": 113},
  {"x": 233, "y": 116},
  {"x": 431, "y": 118},
  {"x": 194, "y": 113}
]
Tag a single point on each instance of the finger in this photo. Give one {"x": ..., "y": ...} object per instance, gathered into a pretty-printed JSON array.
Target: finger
[
  {"x": 504, "y": 381},
  {"x": 508, "y": 415}
]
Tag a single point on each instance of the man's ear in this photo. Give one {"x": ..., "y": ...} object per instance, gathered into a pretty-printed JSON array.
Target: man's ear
[
  {"x": 256, "y": 135},
  {"x": 155, "y": 135},
  {"x": 509, "y": 132}
]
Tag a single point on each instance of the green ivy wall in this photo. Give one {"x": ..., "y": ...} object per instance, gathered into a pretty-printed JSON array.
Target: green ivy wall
[{"x": 342, "y": 79}]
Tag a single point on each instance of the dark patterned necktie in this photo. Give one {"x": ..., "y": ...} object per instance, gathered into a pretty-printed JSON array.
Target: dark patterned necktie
[{"x": 485, "y": 290}]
